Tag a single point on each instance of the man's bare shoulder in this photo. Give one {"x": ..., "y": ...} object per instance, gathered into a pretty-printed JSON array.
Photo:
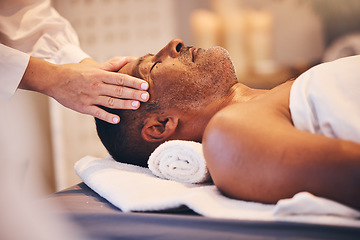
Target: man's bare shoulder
[
  {"x": 246, "y": 130},
  {"x": 271, "y": 108}
]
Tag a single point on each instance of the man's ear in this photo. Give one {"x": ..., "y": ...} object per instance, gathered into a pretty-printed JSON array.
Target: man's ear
[{"x": 157, "y": 129}]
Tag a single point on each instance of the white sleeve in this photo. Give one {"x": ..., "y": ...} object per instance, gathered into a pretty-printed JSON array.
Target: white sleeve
[
  {"x": 13, "y": 64},
  {"x": 37, "y": 29}
]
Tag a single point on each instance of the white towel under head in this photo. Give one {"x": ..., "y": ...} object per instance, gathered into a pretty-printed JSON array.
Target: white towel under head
[
  {"x": 181, "y": 161},
  {"x": 133, "y": 188}
]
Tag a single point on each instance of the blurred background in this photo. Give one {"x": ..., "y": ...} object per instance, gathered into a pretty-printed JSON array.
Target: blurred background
[{"x": 270, "y": 41}]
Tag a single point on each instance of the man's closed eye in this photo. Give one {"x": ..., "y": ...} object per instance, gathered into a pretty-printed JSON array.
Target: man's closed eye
[{"x": 153, "y": 66}]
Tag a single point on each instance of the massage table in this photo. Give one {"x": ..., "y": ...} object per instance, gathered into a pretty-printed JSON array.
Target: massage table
[{"x": 99, "y": 219}]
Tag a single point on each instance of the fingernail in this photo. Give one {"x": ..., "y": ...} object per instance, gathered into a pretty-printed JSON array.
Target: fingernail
[
  {"x": 144, "y": 86},
  {"x": 135, "y": 103},
  {"x": 123, "y": 59},
  {"x": 144, "y": 96},
  {"x": 115, "y": 120}
]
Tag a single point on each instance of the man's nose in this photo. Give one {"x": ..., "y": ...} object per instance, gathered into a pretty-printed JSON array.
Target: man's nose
[{"x": 172, "y": 49}]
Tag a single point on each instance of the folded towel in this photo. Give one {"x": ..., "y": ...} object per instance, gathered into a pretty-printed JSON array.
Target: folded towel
[
  {"x": 133, "y": 188},
  {"x": 181, "y": 161}
]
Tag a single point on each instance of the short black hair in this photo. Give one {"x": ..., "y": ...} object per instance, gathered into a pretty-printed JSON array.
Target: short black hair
[{"x": 123, "y": 141}]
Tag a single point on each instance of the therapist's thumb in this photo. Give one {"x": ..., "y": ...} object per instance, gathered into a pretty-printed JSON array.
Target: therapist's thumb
[{"x": 115, "y": 64}]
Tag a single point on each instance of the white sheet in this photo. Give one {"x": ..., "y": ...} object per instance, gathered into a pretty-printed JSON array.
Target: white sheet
[
  {"x": 326, "y": 99},
  {"x": 133, "y": 188}
]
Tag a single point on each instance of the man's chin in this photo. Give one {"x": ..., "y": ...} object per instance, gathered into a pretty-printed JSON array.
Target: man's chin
[
  {"x": 220, "y": 53},
  {"x": 222, "y": 57},
  {"x": 218, "y": 50}
]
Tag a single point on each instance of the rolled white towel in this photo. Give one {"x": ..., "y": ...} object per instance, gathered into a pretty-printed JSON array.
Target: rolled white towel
[{"x": 181, "y": 161}]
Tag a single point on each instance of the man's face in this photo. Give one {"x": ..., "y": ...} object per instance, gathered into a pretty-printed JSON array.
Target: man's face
[{"x": 183, "y": 74}]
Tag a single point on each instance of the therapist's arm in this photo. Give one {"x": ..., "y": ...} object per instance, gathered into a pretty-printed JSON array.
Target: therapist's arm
[{"x": 83, "y": 86}]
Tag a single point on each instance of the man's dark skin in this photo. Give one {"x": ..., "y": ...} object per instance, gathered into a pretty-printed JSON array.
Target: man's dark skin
[{"x": 251, "y": 147}]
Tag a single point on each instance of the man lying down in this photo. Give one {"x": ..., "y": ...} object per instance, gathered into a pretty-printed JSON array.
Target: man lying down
[{"x": 259, "y": 145}]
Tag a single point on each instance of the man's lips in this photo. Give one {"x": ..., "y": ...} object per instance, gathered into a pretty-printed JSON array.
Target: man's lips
[{"x": 194, "y": 52}]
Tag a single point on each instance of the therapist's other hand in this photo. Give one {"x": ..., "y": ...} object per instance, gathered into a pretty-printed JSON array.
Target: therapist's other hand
[{"x": 86, "y": 85}]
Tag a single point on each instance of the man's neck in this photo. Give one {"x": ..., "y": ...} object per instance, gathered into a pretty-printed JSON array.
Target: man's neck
[
  {"x": 240, "y": 93},
  {"x": 195, "y": 123}
]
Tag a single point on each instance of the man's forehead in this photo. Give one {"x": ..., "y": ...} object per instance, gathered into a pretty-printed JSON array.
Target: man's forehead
[{"x": 141, "y": 59}]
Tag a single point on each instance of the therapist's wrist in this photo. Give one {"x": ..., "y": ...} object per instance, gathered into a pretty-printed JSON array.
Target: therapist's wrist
[
  {"x": 89, "y": 61},
  {"x": 39, "y": 76}
]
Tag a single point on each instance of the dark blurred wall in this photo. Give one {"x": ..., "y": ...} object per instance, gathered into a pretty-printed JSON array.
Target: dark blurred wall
[{"x": 339, "y": 17}]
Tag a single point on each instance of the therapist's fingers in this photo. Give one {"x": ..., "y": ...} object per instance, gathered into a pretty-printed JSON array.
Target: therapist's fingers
[
  {"x": 131, "y": 58},
  {"x": 112, "y": 77},
  {"x": 116, "y": 103},
  {"x": 125, "y": 80},
  {"x": 124, "y": 93},
  {"x": 103, "y": 115},
  {"x": 114, "y": 65},
  {"x": 110, "y": 102}
]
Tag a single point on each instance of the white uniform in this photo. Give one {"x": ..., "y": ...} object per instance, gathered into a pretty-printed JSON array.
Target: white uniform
[{"x": 32, "y": 27}]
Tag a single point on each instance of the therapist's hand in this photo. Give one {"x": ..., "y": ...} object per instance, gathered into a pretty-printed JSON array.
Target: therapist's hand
[
  {"x": 112, "y": 89},
  {"x": 86, "y": 85}
]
